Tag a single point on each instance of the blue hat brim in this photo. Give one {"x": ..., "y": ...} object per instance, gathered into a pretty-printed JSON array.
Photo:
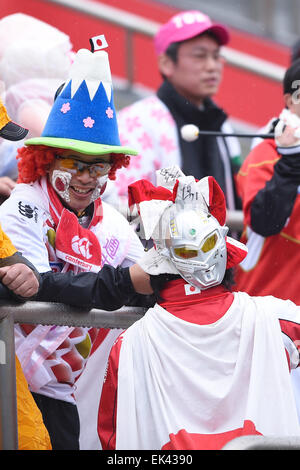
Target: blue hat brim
[{"x": 88, "y": 148}]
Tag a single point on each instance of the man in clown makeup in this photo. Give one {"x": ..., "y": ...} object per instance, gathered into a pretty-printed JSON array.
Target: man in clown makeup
[{"x": 56, "y": 219}]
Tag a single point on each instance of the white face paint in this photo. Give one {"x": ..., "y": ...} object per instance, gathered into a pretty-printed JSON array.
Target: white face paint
[
  {"x": 61, "y": 183},
  {"x": 100, "y": 188}
]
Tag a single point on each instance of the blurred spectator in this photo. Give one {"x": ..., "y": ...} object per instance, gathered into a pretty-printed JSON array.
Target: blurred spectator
[
  {"x": 29, "y": 76},
  {"x": 190, "y": 62},
  {"x": 270, "y": 126},
  {"x": 269, "y": 183}
]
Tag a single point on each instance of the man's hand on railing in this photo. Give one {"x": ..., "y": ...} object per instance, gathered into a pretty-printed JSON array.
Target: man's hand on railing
[{"x": 20, "y": 279}]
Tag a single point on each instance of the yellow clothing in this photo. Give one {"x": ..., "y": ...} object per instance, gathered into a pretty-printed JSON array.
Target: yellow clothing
[
  {"x": 6, "y": 246},
  {"x": 4, "y": 118},
  {"x": 32, "y": 434}
]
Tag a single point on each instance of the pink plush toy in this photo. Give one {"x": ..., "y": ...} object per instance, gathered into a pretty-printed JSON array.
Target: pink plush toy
[{"x": 34, "y": 61}]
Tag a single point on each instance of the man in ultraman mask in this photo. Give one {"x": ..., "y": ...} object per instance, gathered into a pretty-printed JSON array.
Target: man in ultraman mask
[
  {"x": 206, "y": 364},
  {"x": 195, "y": 245}
]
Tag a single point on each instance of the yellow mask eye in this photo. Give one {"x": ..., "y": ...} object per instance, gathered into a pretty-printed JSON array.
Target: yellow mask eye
[
  {"x": 186, "y": 252},
  {"x": 209, "y": 243}
]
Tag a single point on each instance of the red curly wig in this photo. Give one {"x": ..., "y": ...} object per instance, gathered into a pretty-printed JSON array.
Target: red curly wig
[{"x": 34, "y": 161}]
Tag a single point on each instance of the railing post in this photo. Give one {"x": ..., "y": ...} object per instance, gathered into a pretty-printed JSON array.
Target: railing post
[{"x": 8, "y": 393}]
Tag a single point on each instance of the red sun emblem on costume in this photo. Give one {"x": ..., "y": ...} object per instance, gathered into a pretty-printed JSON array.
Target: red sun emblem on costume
[{"x": 188, "y": 441}]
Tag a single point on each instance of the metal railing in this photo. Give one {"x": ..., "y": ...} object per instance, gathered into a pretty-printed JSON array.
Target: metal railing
[
  {"x": 42, "y": 313},
  {"x": 60, "y": 314}
]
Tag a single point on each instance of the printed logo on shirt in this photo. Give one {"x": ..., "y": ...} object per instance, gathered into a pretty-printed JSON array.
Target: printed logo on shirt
[
  {"x": 27, "y": 211},
  {"x": 190, "y": 290},
  {"x": 81, "y": 246}
]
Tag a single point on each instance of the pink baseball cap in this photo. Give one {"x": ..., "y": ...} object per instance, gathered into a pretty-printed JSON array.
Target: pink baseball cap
[{"x": 186, "y": 25}]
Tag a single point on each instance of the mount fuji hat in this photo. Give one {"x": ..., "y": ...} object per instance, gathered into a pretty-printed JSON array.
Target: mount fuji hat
[
  {"x": 186, "y": 25},
  {"x": 83, "y": 116}
]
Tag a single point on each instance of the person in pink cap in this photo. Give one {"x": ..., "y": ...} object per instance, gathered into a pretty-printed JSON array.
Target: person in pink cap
[{"x": 188, "y": 49}]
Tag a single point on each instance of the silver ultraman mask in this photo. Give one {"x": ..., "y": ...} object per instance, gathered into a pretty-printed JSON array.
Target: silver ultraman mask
[{"x": 195, "y": 243}]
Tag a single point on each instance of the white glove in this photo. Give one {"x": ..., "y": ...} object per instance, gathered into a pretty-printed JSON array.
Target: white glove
[
  {"x": 154, "y": 263},
  {"x": 167, "y": 177},
  {"x": 287, "y": 118}
]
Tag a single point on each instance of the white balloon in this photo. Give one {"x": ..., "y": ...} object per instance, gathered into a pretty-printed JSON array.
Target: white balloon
[{"x": 189, "y": 132}]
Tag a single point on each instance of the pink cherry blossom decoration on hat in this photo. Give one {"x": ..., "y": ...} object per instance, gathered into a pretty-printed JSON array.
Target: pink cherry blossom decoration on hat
[
  {"x": 65, "y": 108},
  {"x": 110, "y": 112},
  {"x": 88, "y": 122}
]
